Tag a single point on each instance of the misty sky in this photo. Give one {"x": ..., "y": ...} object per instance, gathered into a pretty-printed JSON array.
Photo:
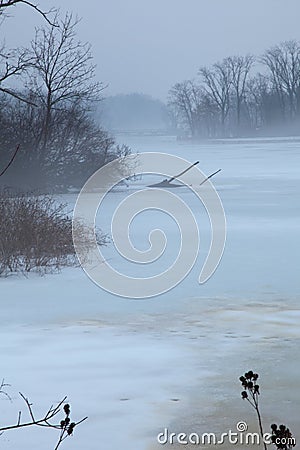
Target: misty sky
[{"x": 147, "y": 46}]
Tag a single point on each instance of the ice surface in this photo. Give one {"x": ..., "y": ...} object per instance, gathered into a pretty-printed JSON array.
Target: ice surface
[{"x": 137, "y": 366}]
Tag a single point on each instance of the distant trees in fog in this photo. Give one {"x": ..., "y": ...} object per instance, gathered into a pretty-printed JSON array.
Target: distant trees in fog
[
  {"x": 134, "y": 112},
  {"x": 50, "y": 115},
  {"x": 229, "y": 99}
]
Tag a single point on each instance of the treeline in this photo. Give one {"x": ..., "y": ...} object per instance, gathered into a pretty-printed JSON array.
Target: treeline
[
  {"x": 134, "y": 112},
  {"x": 230, "y": 98},
  {"x": 50, "y": 115}
]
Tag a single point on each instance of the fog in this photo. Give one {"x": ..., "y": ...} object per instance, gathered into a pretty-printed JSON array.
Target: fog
[
  {"x": 146, "y": 47},
  {"x": 134, "y": 366}
]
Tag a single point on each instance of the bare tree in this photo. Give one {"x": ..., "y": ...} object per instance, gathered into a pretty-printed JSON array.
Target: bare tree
[
  {"x": 217, "y": 82},
  {"x": 230, "y": 99},
  {"x": 14, "y": 62},
  {"x": 256, "y": 91},
  {"x": 185, "y": 101},
  {"x": 239, "y": 67},
  {"x": 62, "y": 73},
  {"x": 76, "y": 146},
  {"x": 283, "y": 63}
]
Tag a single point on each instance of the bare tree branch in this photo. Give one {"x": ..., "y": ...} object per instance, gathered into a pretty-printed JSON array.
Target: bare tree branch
[
  {"x": 65, "y": 426},
  {"x": 2, "y": 391},
  {"x": 17, "y": 96},
  {"x": 7, "y": 3},
  {"x": 2, "y": 173},
  {"x": 13, "y": 63},
  {"x": 62, "y": 73}
]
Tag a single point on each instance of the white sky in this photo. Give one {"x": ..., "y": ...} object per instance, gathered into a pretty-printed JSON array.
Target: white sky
[{"x": 147, "y": 46}]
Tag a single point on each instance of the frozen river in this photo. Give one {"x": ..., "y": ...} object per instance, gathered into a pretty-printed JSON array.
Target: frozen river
[
  {"x": 137, "y": 366},
  {"x": 259, "y": 186}
]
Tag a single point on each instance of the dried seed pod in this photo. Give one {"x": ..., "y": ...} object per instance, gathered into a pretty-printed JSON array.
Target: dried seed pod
[{"x": 67, "y": 409}]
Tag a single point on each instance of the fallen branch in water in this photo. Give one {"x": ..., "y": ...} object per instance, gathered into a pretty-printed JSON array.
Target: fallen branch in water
[{"x": 207, "y": 178}]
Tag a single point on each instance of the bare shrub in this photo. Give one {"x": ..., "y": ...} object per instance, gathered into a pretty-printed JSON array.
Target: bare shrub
[
  {"x": 36, "y": 234},
  {"x": 65, "y": 427}
]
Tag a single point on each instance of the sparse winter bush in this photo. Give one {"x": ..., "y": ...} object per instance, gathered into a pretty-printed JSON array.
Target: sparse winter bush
[
  {"x": 281, "y": 436},
  {"x": 36, "y": 234}
]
